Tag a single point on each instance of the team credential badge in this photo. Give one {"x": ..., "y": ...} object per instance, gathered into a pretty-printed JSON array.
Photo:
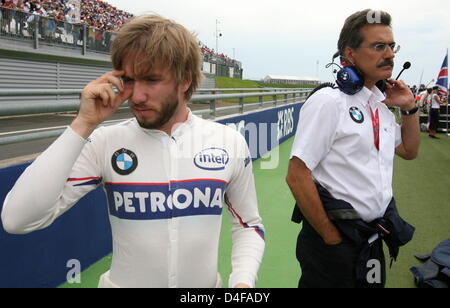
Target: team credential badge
[
  {"x": 124, "y": 162},
  {"x": 356, "y": 115}
]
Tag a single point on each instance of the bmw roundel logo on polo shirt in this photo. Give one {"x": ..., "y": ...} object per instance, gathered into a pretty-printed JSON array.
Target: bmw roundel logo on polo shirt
[
  {"x": 356, "y": 115},
  {"x": 124, "y": 162}
]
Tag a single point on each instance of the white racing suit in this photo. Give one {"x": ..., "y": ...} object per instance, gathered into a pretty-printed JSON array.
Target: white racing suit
[{"x": 165, "y": 198}]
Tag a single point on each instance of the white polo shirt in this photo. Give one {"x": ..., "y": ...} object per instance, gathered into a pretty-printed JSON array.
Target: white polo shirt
[
  {"x": 434, "y": 103},
  {"x": 335, "y": 140}
]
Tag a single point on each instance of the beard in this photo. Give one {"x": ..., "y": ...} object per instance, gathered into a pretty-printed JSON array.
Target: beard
[{"x": 168, "y": 108}]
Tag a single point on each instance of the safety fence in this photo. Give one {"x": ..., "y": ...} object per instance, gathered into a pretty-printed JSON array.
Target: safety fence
[{"x": 20, "y": 25}]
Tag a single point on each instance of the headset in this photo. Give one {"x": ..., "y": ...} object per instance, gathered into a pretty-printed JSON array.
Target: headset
[{"x": 350, "y": 79}]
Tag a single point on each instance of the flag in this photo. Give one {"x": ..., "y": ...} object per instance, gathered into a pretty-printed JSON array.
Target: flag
[{"x": 442, "y": 80}]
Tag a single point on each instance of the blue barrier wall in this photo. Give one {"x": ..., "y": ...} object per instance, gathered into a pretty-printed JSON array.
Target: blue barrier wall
[
  {"x": 40, "y": 259},
  {"x": 272, "y": 127}
]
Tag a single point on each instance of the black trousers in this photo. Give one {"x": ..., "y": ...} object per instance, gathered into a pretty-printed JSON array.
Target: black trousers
[
  {"x": 434, "y": 119},
  {"x": 325, "y": 266}
]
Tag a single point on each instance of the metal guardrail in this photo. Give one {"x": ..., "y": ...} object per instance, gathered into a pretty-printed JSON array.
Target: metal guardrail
[
  {"x": 68, "y": 105},
  {"x": 216, "y": 90},
  {"x": 38, "y": 92},
  {"x": 25, "y": 108}
]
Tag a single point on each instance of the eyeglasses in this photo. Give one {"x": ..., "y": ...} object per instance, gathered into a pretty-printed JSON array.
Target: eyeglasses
[{"x": 382, "y": 47}]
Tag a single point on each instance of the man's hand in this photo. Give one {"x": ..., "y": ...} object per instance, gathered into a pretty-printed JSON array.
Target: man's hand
[
  {"x": 98, "y": 102},
  {"x": 399, "y": 95},
  {"x": 300, "y": 181},
  {"x": 333, "y": 237}
]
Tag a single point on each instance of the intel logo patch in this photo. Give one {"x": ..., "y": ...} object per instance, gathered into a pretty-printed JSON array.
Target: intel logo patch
[{"x": 212, "y": 159}]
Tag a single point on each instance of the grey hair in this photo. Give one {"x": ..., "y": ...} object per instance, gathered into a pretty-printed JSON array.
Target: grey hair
[{"x": 351, "y": 31}]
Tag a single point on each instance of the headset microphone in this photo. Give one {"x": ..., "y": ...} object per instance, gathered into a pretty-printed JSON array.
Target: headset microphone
[
  {"x": 350, "y": 80},
  {"x": 336, "y": 55},
  {"x": 406, "y": 66},
  {"x": 382, "y": 83}
]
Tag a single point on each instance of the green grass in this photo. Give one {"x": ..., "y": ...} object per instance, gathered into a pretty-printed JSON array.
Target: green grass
[
  {"x": 421, "y": 188},
  {"x": 232, "y": 83},
  {"x": 225, "y": 82},
  {"x": 279, "y": 268},
  {"x": 421, "y": 191}
]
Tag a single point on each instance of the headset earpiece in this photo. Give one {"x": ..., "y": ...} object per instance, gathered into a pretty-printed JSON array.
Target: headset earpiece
[{"x": 350, "y": 80}]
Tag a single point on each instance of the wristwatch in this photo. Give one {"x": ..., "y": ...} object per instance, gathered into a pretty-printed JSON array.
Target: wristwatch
[{"x": 410, "y": 112}]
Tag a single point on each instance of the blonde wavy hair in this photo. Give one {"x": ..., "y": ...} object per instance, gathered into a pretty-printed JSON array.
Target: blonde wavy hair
[{"x": 153, "y": 39}]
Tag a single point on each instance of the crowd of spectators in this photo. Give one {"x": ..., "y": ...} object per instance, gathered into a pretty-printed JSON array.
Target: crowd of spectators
[
  {"x": 423, "y": 97},
  {"x": 63, "y": 21},
  {"x": 210, "y": 54},
  {"x": 101, "y": 15},
  {"x": 53, "y": 9},
  {"x": 94, "y": 13},
  {"x": 101, "y": 18}
]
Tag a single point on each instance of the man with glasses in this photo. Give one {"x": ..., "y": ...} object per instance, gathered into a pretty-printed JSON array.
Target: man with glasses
[{"x": 341, "y": 166}]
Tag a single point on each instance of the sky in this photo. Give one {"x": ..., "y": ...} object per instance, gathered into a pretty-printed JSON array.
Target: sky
[{"x": 298, "y": 38}]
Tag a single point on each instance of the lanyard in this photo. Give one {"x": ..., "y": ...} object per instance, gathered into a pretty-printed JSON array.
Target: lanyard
[{"x": 376, "y": 127}]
